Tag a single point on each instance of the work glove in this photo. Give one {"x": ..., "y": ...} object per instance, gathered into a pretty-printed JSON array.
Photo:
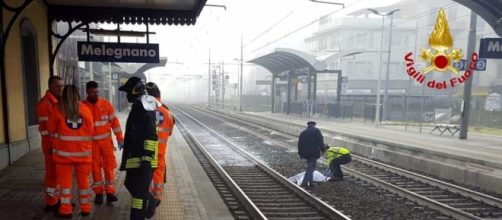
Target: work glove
[{"x": 120, "y": 145}]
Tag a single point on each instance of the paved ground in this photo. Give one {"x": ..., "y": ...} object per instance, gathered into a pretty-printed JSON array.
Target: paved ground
[{"x": 189, "y": 193}]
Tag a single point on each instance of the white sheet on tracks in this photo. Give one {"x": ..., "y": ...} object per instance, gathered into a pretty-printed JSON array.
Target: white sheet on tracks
[{"x": 298, "y": 178}]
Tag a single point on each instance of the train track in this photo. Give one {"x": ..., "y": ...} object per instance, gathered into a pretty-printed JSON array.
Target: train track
[
  {"x": 444, "y": 197},
  {"x": 253, "y": 191}
]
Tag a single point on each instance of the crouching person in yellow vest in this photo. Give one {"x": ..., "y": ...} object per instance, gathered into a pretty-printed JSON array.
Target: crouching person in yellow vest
[{"x": 337, "y": 156}]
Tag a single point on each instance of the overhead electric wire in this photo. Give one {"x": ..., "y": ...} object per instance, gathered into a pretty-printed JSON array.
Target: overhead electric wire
[
  {"x": 268, "y": 29},
  {"x": 401, "y": 21}
]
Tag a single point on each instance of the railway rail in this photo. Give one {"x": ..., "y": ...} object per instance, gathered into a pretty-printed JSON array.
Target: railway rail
[
  {"x": 256, "y": 191},
  {"x": 447, "y": 198}
]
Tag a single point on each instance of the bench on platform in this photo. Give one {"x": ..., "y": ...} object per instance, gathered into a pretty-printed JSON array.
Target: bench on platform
[
  {"x": 442, "y": 128},
  {"x": 443, "y": 122}
]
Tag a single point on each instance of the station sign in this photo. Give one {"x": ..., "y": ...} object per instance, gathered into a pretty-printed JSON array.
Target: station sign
[
  {"x": 490, "y": 48},
  {"x": 493, "y": 102},
  {"x": 118, "y": 52}
]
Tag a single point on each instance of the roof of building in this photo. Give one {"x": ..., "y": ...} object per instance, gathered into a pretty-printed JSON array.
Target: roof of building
[
  {"x": 184, "y": 12},
  {"x": 285, "y": 59}
]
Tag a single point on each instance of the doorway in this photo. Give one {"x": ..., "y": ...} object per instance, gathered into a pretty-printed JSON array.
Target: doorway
[{"x": 29, "y": 50}]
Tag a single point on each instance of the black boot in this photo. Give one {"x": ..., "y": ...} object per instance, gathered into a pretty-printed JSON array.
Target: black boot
[
  {"x": 99, "y": 199},
  {"x": 53, "y": 208},
  {"x": 110, "y": 197},
  {"x": 150, "y": 209},
  {"x": 65, "y": 215},
  {"x": 50, "y": 208},
  {"x": 85, "y": 214}
]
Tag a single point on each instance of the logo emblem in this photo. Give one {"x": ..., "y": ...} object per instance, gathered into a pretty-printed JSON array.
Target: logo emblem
[
  {"x": 440, "y": 40},
  {"x": 74, "y": 125},
  {"x": 160, "y": 117},
  {"x": 440, "y": 58}
]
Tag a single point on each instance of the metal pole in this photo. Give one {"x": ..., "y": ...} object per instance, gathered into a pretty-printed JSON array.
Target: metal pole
[
  {"x": 223, "y": 84},
  {"x": 314, "y": 92},
  {"x": 110, "y": 82},
  {"x": 242, "y": 74},
  {"x": 209, "y": 81},
  {"x": 410, "y": 83},
  {"x": 288, "y": 93},
  {"x": 272, "y": 93},
  {"x": 379, "y": 83},
  {"x": 406, "y": 100},
  {"x": 296, "y": 87},
  {"x": 237, "y": 87},
  {"x": 468, "y": 83},
  {"x": 338, "y": 94},
  {"x": 423, "y": 107},
  {"x": 385, "y": 95},
  {"x": 309, "y": 92}
]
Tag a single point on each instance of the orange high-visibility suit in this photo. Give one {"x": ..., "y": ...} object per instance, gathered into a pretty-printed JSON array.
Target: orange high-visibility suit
[
  {"x": 44, "y": 109},
  {"x": 72, "y": 141},
  {"x": 165, "y": 123},
  {"x": 103, "y": 156}
]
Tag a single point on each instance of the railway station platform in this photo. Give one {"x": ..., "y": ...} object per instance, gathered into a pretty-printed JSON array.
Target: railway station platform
[
  {"x": 189, "y": 194},
  {"x": 476, "y": 161}
]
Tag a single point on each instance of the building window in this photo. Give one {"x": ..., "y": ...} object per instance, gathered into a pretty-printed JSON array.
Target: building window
[{"x": 323, "y": 44}]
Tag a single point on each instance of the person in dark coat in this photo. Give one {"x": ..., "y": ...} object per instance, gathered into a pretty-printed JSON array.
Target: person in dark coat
[
  {"x": 310, "y": 147},
  {"x": 140, "y": 158}
]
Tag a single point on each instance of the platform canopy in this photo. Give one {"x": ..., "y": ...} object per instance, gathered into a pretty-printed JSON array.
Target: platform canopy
[
  {"x": 489, "y": 10},
  {"x": 184, "y": 12},
  {"x": 284, "y": 60}
]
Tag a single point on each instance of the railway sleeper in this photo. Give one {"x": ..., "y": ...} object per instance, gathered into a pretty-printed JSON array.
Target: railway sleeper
[
  {"x": 299, "y": 215},
  {"x": 250, "y": 179},
  {"x": 274, "y": 204},
  {"x": 268, "y": 192},
  {"x": 271, "y": 182},
  {"x": 263, "y": 188},
  {"x": 295, "y": 218},
  {"x": 463, "y": 204},
  {"x": 275, "y": 200},
  {"x": 257, "y": 196},
  {"x": 421, "y": 189},
  {"x": 292, "y": 209}
]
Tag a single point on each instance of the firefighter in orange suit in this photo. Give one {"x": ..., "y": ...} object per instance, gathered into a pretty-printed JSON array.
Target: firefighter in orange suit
[
  {"x": 71, "y": 126},
  {"x": 103, "y": 156},
  {"x": 44, "y": 109},
  {"x": 165, "y": 128}
]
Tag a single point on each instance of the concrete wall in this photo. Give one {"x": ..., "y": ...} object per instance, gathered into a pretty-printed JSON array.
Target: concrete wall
[{"x": 36, "y": 14}]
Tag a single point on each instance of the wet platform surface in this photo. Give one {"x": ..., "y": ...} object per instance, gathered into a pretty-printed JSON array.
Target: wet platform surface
[{"x": 189, "y": 194}]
